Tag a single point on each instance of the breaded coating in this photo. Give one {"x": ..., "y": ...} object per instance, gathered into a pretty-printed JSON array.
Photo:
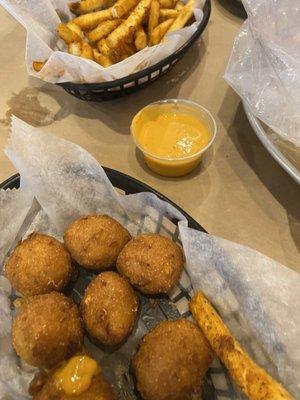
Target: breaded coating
[
  {"x": 109, "y": 308},
  {"x": 47, "y": 330},
  {"x": 152, "y": 263},
  {"x": 95, "y": 241},
  {"x": 40, "y": 264},
  {"x": 172, "y": 361}
]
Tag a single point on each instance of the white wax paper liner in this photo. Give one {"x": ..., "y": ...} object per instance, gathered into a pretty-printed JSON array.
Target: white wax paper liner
[{"x": 256, "y": 296}]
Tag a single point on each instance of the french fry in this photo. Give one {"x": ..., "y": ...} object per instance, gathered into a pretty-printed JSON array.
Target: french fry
[
  {"x": 91, "y": 20},
  {"x": 140, "y": 40},
  {"x": 179, "y": 5},
  {"x": 129, "y": 25},
  {"x": 87, "y": 6},
  {"x": 38, "y": 65},
  {"x": 102, "y": 59},
  {"x": 153, "y": 16},
  {"x": 167, "y": 3},
  {"x": 86, "y": 51},
  {"x": 67, "y": 34},
  {"x": 75, "y": 28},
  {"x": 123, "y": 7},
  {"x": 160, "y": 31},
  {"x": 75, "y": 49},
  {"x": 126, "y": 50},
  {"x": 252, "y": 379},
  {"x": 167, "y": 13},
  {"x": 184, "y": 15},
  {"x": 103, "y": 29},
  {"x": 103, "y": 47}
]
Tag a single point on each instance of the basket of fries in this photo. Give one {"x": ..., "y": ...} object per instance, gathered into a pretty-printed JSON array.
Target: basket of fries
[{"x": 101, "y": 49}]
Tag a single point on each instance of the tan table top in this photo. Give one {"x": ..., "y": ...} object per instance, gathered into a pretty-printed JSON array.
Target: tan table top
[{"x": 238, "y": 193}]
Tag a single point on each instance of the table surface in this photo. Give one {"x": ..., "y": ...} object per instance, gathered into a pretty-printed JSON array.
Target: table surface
[{"x": 238, "y": 193}]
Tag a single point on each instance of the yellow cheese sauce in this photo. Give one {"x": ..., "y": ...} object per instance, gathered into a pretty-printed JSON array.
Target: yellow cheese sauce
[
  {"x": 173, "y": 135},
  {"x": 75, "y": 376}
]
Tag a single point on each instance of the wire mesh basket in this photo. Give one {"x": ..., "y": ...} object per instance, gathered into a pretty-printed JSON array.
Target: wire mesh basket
[{"x": 109, "y": 90}]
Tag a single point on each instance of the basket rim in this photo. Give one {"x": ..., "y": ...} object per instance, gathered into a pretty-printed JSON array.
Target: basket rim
[{"x": 159, "y": 65}]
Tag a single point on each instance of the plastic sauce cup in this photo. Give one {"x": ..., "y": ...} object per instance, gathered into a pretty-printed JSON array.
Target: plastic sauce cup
[{"x": 177, "y": 166}]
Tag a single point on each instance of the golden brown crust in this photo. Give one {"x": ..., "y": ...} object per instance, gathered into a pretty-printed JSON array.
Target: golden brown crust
[
  {"x": 152, "y": 263},
  {"x": 99, "y": 389},
  {"x": 251, "y": 379},
  {"x": 109, "y": 308},
  {"x": 40, "y": 264},
  {"x": 47, "y": 330},
  {"x": 95, "y": 241},
  {"x": 172, "y": 361}
]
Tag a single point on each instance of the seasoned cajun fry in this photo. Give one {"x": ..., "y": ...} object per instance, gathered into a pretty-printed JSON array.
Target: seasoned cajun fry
[
  {"x": 179, "y": 5},
  {"x": 38, "y": 65},
  {"x": 103, "y": 47},
  {"x": 86, "y": 6},
  {"x": 103, "y": 29},
  {"x": 167, "y": 3},
  {"x": 91, "y": 20},
  {"x": 75, "y": 49},
  {"x": 167, "y": 13},
  {"x": 184, "y": 15},
  {"x": 102, "y": 59},
  {"x": 68, "y": 35},
  {"x": 75, "y": 28},
  {"x": 140, "y": 40},
  {"x": 160, "y": 31},
  {"x": 86, "y": 51},
  {"x": 129, "y": 25},
  {"x": 123, "y": 7},
  {"x": 252, "y": 379},
  {"x": 153, "y": 16}
]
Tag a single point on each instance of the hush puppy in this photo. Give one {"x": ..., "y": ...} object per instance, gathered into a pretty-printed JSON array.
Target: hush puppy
[
  {"x": 40, "y": 264},
  {"x": 172, "y": 361},
  {"x": 152, "y": 263},
  {"x": 47, "y": 330},
  {"x": 109, "y": 308},
  {"x": 95, "y": 241},
  {"x": 89, "y": 384}
]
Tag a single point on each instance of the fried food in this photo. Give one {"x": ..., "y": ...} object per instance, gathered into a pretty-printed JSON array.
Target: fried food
[
  {"x": 102, "y": 59},
  {"x": 129, "y": 25},
  {"x": 183, "y": 17},
  {"x": 123, "y": 7},
  {"x": 251, "y": 379},
  {"x": 38, "y": 65},
  {"x": 87, "y": 6},
  {"x": 172, "y": 361},
  {"x": 90, "y": 21},
  {"x": 167, "y": 13},
  {"x": 40, "y": 264},
  {"x": 167, "y": 3},
  {"x": 140, "y": 40},
  {"x": 86, "y": 51},
  {"x": 153, "y": 16},
  {"x": 80, "y": 375},
  {"x": 47, "y": 330},
  {"x": 179, "y": 5},
  {"x": 109, "y": 308},
  {"x": 152, "y": 263},
  {"x": 160, "y": 31},
  {"x": 103, "y": 29},
  {"x": 75, "y": 49},
  {"x": 67, "y": 35},
  {"x": 95, "y": 241}
]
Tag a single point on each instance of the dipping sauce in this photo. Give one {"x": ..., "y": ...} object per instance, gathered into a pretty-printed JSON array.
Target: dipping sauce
[
  {"x": 75, "y": 376},
  {"x": 172, "y": 135}
]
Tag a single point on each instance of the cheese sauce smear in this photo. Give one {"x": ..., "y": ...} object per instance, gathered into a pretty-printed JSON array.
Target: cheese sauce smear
[
  {"x": 173, "y": 135},
  {"x": 76, "y": 375}
]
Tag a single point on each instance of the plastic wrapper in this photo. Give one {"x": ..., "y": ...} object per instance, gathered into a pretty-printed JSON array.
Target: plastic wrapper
[
  {"x": 264, "y": 67},
  {"x": 41, "y": 18},
  {"x": 256, "y": 296}
]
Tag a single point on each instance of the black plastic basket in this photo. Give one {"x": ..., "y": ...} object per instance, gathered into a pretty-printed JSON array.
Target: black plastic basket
[{"x": 131, "y": 83}]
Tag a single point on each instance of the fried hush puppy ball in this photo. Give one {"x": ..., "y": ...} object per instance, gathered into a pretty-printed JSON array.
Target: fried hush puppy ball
[
  {"x": 47, "y": 330},
  {"x": 79, "y": 378},
  {"x": 152, "y": 263},
  {"x": 95, "y": 241},
  {"x": 40, "y": 264},
  {"x": 172, "y": 361},
  {"x": 109, "y": 308}
]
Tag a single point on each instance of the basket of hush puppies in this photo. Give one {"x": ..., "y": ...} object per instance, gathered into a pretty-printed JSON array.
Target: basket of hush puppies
[{"x": 101, "y": 49}]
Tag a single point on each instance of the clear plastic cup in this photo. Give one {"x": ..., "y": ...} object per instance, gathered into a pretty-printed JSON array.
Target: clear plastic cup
[{"x": 179, "y": 166}]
